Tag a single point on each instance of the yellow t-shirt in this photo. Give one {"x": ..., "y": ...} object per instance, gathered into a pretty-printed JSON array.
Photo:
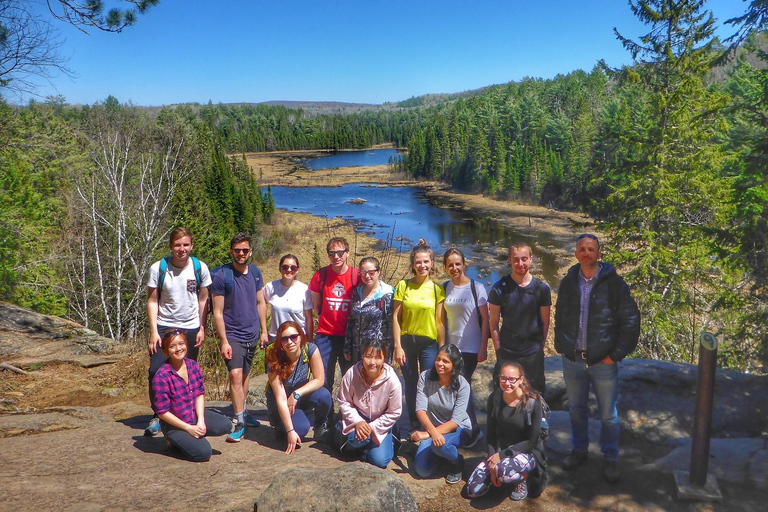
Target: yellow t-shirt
[{"x": 419, "y": 303}]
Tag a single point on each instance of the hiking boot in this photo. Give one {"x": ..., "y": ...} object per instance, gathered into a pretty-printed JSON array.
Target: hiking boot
[
  {"x": 574, "y": 459},
  {"x": 250, "y": 421},
  {"x": 454, "y": 473},
  {"x": 153, "y": 428},
  {"x": 237, "y": 434},
  {"x": 611, "y": 471},
  {"x": 520, "y": 492},
  {"x": 475, "y": 438}
]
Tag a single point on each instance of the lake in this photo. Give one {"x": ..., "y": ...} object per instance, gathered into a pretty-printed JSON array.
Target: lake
[
  {"x": 404, "y": 213},
  {"x": 353, "y": 159}
]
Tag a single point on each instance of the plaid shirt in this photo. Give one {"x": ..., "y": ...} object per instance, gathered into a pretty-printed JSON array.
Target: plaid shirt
[
  {"x": 174, "y": 395},
  {"x": 585, "y": 287}
]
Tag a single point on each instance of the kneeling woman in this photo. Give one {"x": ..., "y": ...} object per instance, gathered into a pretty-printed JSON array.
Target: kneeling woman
[
  {"x": 442, "y": 397},
  {"x": 180, "y": 402},
  {"x": 296, "y": 377},
  {"x": 370, "y": 403},
  {"x": 514, "y": 445}
]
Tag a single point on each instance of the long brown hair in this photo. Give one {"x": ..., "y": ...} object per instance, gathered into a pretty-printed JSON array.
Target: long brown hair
[
  {"x": 528, "y": 391},
  {"x": 277, "y": 358}
]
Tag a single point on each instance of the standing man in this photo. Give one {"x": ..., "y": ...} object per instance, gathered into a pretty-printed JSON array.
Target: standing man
[
  {"x": 238, "y": 311},
  {"x": 524, "y": 301},
  {"x": 177, "y": 290},
  {"x": 597, "y": 324},
  {"x": 332, "y": 288}
]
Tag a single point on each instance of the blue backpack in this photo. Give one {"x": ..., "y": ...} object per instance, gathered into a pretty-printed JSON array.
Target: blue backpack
[
  {"x": 229, "y": 275},
  {"x": 164, "y": 268}
]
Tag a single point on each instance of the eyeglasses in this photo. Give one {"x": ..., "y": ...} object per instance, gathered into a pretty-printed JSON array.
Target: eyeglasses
[
  {"x": 511, "y": 380},
  {"x": 241, "y": 251},
  {"x": 369, "y": 272},
  {"x": 338, "y": 254},
  {"x": 587, "y": 235},
  {"x": 289, "y": 268},
  {"x": 292, "y": 337}
]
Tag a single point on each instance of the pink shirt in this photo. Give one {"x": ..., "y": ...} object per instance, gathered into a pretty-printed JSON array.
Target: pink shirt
[{"x": 381, "y": 402}]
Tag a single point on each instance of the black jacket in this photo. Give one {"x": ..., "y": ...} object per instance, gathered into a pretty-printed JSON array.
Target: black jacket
[{"x": 614, "y": 320}]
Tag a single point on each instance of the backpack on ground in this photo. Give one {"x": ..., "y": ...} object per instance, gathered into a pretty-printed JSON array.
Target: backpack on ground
[{"x": 164, "y": 268}]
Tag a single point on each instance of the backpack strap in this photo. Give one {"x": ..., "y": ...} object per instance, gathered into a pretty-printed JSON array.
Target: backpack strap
[
  {"x": 323, "y": 278},
  {"x": 198, "y": 272},
  {"x": 164, "y": 268},
  {"x": 229, "y": 278},
  {"x": 477, "y": 306},
  {"x": 161, "y": 274}
]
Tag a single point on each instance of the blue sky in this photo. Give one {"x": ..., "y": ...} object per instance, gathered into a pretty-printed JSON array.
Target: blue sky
[{"x": 353, "y": 51}]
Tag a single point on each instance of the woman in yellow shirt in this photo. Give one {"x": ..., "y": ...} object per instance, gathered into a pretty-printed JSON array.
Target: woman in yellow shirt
[{"x": 417, "y": 323}]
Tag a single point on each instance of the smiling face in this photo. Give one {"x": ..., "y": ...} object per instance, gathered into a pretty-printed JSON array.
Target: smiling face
[
  {"x": 337, "y": 255},
  {"x": 509, "y": 379},
  {"x": 454, "y": 265},
  {"x": 422, "y": 264},
  {"x": 180, "y": 249},
  {"x": 291, "y": 340},
  {"x": 588, "y": 253},
  {"x": 369, "y": 273},
  {"x": 289, "y": 268},
  {"x": 443, "y": 364},
  {"x": 520, "y": 259},
  {"x": 240, "y": 252},
  {"x": 373, "y": 362},
  {"x": 177, "y": 349}
]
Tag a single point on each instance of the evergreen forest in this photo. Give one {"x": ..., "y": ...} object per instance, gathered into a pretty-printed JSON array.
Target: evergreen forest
[{"x": 669, "y": 154}]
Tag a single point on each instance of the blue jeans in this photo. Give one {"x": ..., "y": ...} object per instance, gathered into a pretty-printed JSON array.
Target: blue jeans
[
  {"x": 319, "y": 401},
  {"x": 380, "y": 455},
  {"x": 428, "y": 456},
  {"x": 193, "y": 448},
  {"x": 332, "y": 350},
  {"x": 604, "y": 379},
  {"x": 420, "y": 355}
]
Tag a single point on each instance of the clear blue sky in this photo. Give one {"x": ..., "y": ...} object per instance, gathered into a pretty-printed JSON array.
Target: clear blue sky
[{"x": 343, "y": 50}]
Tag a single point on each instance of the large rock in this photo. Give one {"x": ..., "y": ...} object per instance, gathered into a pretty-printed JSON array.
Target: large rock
[
  {"x": 657, "y": 399},
  {"x": 354, "y": 487}
]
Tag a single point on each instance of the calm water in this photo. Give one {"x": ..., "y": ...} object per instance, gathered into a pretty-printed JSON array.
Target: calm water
[
  {"x": 352, "y": 159},
  {"x": 405, "y": 213}
]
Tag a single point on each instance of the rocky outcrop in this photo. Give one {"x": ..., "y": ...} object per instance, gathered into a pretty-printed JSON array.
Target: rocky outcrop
[
  {"x": 28, "y": 338},
  {"x": 354, "y": 487}
]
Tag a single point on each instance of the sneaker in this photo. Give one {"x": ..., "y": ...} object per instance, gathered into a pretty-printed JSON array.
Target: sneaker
[
  {"x": 153, "y": 428},
  {"x": 574, "y": 459},
  {"x": 237, "y": 434},
  {"x": 611, "y": 471},
  {"x": 321, "y": 431},
  {"x": 520, "y": 492},
  {"x": 250, "y": 421},
  {"x": 455, "y": 473},
  {"x": 475, "y": 438}
]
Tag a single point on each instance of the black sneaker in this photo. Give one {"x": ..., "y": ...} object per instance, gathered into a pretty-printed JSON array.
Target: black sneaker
[
  {"x": 321, "y": 432},
  {"x": 574, "y": 459}
]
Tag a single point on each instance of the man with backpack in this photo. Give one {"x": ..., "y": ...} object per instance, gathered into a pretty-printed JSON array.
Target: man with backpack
[
  {"x": 177, "y": 291},
  {"x": 332, "y": 288},
  {"x": 524, "y": 302},
  {"x": 597, "y": 324},
  {"x": 239, "y": 310}
]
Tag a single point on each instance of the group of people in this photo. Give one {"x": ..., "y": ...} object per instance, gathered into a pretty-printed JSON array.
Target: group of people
[{"x": 436, "y": 333}]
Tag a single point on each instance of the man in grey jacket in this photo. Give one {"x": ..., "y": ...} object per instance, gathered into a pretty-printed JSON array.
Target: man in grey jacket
[{"x": 597, "y": 324}]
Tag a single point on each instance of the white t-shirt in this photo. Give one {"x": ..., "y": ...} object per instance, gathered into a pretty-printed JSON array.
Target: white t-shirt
[
  {"x": 463, "y": 328},
  {"x": 288, "y": 303},
  {"x": 177, "y": 303}
]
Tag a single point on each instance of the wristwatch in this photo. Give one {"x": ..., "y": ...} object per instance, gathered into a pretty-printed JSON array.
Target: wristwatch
[{"x": 296, "y": 395}]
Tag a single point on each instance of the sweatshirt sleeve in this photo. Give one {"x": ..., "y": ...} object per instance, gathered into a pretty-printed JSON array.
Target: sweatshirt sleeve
[
  {"x": 349, "y": 413},
  {"x": 387, "y": 420}
]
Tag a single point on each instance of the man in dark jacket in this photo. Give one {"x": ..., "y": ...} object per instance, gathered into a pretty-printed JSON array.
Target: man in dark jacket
[{"x": 597, "y": 324}]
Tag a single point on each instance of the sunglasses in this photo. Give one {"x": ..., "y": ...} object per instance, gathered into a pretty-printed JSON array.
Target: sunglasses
[
  {"x": 338, "y": 254},
  {"x": 587, "y": 235},
  {"x": 369, "y": 272},
  {"x": 173, "y": 332},
  {"x": 511, "y": 380},
  {"x": 241, "y": 251},
  {"x": 292, "y": 337},
  {"x": 289, "y": 268}
]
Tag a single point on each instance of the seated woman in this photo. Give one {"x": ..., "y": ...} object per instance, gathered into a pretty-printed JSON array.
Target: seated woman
[
  {"x": 296, "y": 377},
  {"x": 514, "y": 443},
  {"x": 180, "y": 402},
  {"x": 370, "y": 403},
  {"x": 442, "y": 396}
]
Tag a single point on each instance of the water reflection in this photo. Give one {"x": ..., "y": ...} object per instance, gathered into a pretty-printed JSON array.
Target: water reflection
[
  {"x": 406, "y": 214},
  {"x": 352, "y": 159}
]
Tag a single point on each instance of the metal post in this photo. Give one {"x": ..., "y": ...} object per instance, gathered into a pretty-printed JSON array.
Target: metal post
[{"x": 702, "y": 421}]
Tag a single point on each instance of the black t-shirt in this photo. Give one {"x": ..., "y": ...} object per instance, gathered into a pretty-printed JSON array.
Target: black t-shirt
[{"x": 522, "y": 330}]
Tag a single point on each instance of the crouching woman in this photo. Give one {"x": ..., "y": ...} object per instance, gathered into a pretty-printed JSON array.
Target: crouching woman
[
  {"x": 180, "y": 402},
  {"x": 296, "y": 377},
  {"x": 515, "y": 448},
  {"x": 370, "y": 403}
]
